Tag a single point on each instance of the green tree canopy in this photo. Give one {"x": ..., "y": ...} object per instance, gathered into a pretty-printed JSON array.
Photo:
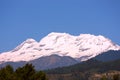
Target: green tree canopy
[{"x": 27, "y": 72}]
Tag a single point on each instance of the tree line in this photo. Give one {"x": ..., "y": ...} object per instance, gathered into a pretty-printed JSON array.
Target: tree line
[{"x": 27, "y": 72}]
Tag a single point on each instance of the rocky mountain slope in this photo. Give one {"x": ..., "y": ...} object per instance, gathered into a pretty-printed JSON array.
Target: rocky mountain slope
[{"x": 81, "y": 47}]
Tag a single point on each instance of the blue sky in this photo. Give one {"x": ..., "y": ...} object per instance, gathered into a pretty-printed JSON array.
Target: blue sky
[{"x": 22, "y": 19}]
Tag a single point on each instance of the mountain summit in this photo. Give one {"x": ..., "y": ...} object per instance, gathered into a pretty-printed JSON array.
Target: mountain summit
[{"x": 82, "y": 47}]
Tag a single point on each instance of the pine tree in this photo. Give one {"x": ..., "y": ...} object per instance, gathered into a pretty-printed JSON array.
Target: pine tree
[
  {"x": 6, "y": 73},
  {"x": 26, "y": 72}
]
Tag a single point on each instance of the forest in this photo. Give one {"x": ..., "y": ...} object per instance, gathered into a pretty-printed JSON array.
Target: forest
[
  {"x": 27, "y": 72},
  {"x": 89, "y": 70}
]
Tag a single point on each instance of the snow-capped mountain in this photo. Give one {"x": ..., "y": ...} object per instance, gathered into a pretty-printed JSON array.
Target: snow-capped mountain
[{"x": 82, "y": 47}]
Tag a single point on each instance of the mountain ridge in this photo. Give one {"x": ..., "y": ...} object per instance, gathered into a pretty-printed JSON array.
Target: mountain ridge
[{"x": 84, "y": 46}]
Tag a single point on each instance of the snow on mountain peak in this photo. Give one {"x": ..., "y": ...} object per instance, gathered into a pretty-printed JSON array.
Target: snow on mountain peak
[
  {"x": 56, "y": 39},
  {"x": 30, "y": 40},
  {"x": 83, "y": 47},
  {"x": 26, "y": 44},
  {"x": 56, "y": 33},
  {"x": 64, "y": 44}
]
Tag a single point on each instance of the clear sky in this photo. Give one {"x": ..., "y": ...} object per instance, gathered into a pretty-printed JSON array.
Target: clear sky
[{"x": 22, "y": 19}]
